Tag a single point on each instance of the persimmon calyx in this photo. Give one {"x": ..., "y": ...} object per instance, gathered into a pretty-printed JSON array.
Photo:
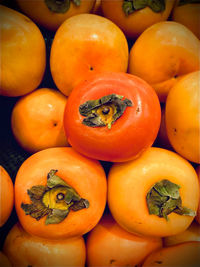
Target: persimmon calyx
[
  {"x": 55, "y": 200},
  {"x": 130, "y": 6},
  {"x": 61, "y": 6},
  {"x": 163, "y": 198},
  {"x": 104, "y": 111}
]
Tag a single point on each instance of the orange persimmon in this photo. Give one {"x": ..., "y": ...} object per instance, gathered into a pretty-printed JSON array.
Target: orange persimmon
[
  {"x": 23, "y": 53},
  {"x": 6, "y": 196},
  {"x": 181, "y": 255},
  {"x": 110, "y": 245},
  {"x": 187, "y": 12},
  {"x": 51, "y": 14},
  {"x": 198, "y": 210},
  {"x": 85, "y": 44},
  {"x": 4, "y": 261},
  {"x": 133, "y": 17},
  {"x": 156, "y": 194},
  {"x": 37, "y": 120},
  {"x": 24, "y": 250},
  {"x": 59, "y": 193},
  {"x": 163, "y": 53}
]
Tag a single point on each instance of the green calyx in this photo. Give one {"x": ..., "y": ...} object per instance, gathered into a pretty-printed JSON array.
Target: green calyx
[
  {"x": 54, "y": 200},
  {"x": 61, "y": 6},
  {"x": 164, "y": 198},
  {"x": 130, "y": 6},
  {"x": 104, "y": 111},
  {"x": 185, "y": 2}
]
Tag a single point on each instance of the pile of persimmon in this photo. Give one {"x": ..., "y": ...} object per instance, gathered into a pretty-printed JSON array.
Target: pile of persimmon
[{"x": 112, "y": 172}]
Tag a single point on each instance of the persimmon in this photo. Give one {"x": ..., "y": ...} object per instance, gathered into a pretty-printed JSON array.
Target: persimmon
[
  {"x": 192, "y": 233},
  {"x": 156, "y": 194},
  {"x": 6, "y": 196},
  {"x": 133, "y": 17},
  {"x": 112, "y": 116},
  {"x": 51, "y": 14},
  {"x": 187, "y": 12},
  {"x": 198, "y": 210},
  {"x": 184, "y": 255},
  {"x": 4, "y": 261},
  {"x": 85, "y": 44},
  {"x": 182, "y": 114},
  {"x": 23, "y": 53},
  {"x": 37, "y": 120},
  {"x": 59, "y": 193},
  {"x": 24, "y": 250},
  {"x": 162, "y": 54},
  {"x": 110, "y": 245}
]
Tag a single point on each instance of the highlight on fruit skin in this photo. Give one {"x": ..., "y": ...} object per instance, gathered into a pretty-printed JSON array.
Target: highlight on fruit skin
[
  {"x": 6, "y": 196},
  {"x": 163, "y": 54},
  {"x": 24, "y": 250},
  {"x": 51, "y": 13},
  {"x": 23, "y": 53}
]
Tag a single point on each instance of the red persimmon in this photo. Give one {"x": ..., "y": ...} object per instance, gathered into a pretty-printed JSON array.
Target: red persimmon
[{"x": 112, "y": 116}]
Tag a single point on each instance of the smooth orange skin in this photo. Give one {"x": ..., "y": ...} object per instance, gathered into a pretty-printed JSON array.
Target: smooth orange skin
[
  {"x": 6, "y": 196},
  {"x": 24, "y": 250},
  {"x": 86, "y": 176},
  {"x": 198, "y": 210},
  {"x": 110, "y": 245},
  {"x": 37, "y": 120},
  {"x": 182, "y": 117},
  {"x": 129, "y": 183},
  {"x": 162, "y": 54},
  {"x": 86, "y": 44},
  {"x": 188, "y": 15},
  {"x": 40, "y": 13},
  {"x": 184, "y": 255},
  {"x": 4, "y": 261},
  {"x": 134, "y": 24},
  {"x": 130, "y": 135},
  {"x": 192, "y": 233},
  {"x": 23, "y": 54}
]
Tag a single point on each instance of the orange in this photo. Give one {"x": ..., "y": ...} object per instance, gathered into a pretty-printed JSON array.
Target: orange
[
  {"x": 188, "y": 14},
  {"x": 6, "y": 196},
  {"x": 24, "y": 250},
  {"x": 198, "y": 210},
  {"x": 51, "y": 14},
  {"x": 135, "y": 22},
  {"x": 181, "y": 255},
  {"x": 182, "y": 115},
  {"x": 163, "y": 53},
  {"x": 59, "y": 193},
  {"x": 37, "y": 120},
  {"x": 192, "y": 233},
  {"x": 23, "y": 53},
  {"x": 110, "y": 245},
  {"x": 156, "y": 194},
  {"x": 86, "y": 44}
]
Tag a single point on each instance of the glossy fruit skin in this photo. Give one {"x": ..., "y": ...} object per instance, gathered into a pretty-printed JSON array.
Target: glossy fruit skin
[
  {"x": 188, "y": 15},
  {"x": 6, "y": 196},
  {"x": 182, "y": 117},
  {"x": 37, "y": 120},
  {"x": 134, "y": 24},
  {"x": 23, "y": 53},
  {"x": 41, "y": 14},
  {"x": 129, "y": 182},
  {"x": 108, "y": 244},
  {"x": 86, "y": 176},
  {"x": 190, "y": 234},
  {"x": 130, "y": 135},
  {"x": 198, "y": 210},
  {"x": 162, "y": 54},
  {"x": 86, "y": 44},
  {"x": 185, "y": 254},
  {"x": 25, "y": 250}
]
